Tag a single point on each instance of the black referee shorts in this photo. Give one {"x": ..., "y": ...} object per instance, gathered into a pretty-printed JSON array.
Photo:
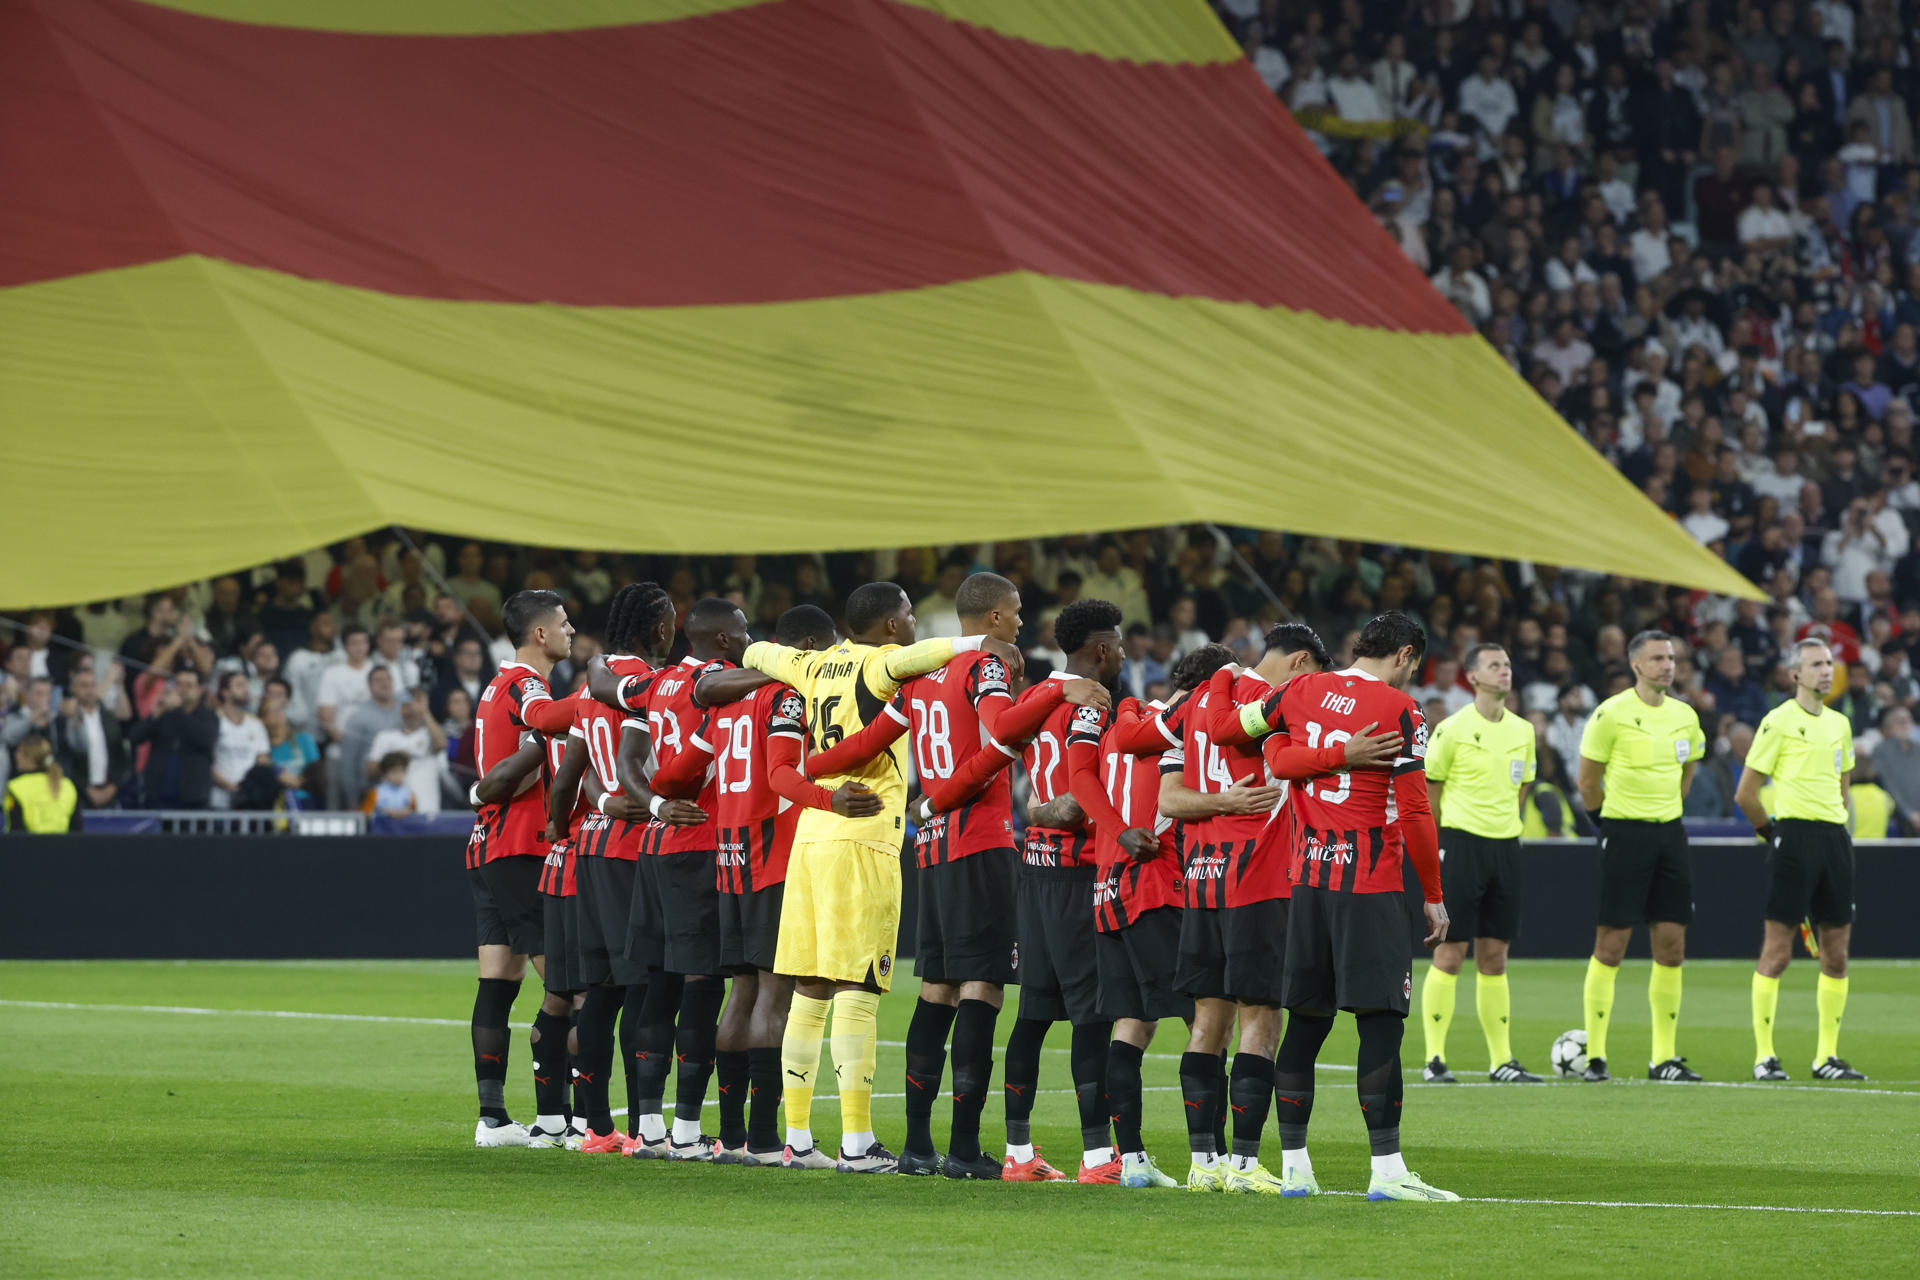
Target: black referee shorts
[
  {"x": 1810, "y": 873},
  {"x": 1645, "y": 874},
  {"x": 507, "y": 907},
  {"x": 1481, "y": 879},
  {"x": 968, "y": 924},
  {"x": 1059, "y": 977}
]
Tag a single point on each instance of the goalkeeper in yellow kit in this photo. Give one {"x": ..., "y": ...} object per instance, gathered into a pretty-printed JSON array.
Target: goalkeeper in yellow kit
[{"x": 841, "y": 915}]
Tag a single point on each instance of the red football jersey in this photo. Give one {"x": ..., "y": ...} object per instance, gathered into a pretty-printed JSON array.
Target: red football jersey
[
  {"x": 1343, "y": 836},
  {"x": 754, "y": 823},
  {"x": 943, "y": 715},
  {"x": 1046, "y": 765},
  {"x": 1127, "y": 889},
  {"x": 673, "y": 722},
  {"x": 599, "y": 726},
  {"x": 1232, "y": 859},
  {"x": 516, "y": 829}
]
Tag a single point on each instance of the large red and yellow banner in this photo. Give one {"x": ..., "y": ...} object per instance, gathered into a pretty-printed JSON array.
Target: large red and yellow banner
[{"x": 717, "y": 275}]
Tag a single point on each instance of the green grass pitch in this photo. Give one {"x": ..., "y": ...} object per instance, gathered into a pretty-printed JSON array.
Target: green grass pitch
[{"x": 158, "y": 1138}]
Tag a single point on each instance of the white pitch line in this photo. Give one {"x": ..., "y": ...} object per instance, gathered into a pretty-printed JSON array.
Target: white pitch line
[{"x": 1672, "y": 1204}]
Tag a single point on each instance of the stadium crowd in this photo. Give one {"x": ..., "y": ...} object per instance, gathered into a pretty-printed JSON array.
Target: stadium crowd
[{"x": 1693, "y": 228}]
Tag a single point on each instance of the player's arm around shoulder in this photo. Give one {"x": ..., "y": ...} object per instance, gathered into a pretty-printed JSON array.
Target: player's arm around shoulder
[{"x": 790, "y": 666}]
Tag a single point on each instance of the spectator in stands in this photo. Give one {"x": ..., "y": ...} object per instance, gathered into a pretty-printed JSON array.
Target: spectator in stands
[
  {"x": 936, "y": 612},
  {"x": 180, "y": 738},
  {"x": 1889, "y": 127},
  {"x": 228, "y": 622},
  {"x": 1487, "y": 99},
  {"x": 1896, "y": 760},
  {"x": 467, "y": 585},
  {"x": 390, "y": 650},
  {"x": 1871, "y": 538},
  {"x": 344, "y": 684},
  {"x": 306, "y": 666},
  {"x": 294, "y": 754},
  {"x": 32, "y": 716},
  {"x": 39, "y": 798},
  {"x": 421, "y": 745},
  {"x": 389, "y": 796},
  {"x": 360, "y": 723},
  {"x": 240, "y": 749},
  {"x": 287, "y": 609},
  {"x": 90, "y": 743},
  {"x": 1735, "y": 692}
]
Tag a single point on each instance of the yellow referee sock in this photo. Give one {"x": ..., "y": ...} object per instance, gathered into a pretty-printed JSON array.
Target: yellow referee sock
[
  {"x": 856, "y": 1032},
  {"x": 1766, "y": 1002},
  {"x": 1599, "y": 1000},
  {"x": 1496, "y": 1009},
  {"x": 1832, "y": 1002},
  {"x": 1436, "y": 1009},
  {"x": 800, "y": 1063},
  {"x": 1663, "y": 995}
]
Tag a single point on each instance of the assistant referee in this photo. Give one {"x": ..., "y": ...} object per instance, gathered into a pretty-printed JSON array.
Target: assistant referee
[
  {"x": 1806, "y": 748},
  {"x": 1481, "y": 759},
  {"x": 1637, "y": 758}
]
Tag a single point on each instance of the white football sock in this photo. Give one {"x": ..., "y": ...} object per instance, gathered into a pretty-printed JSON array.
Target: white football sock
[
  {"x": 652, "y": 1126},
  {"x": 856, "y": 1144},
  {"x": 1243, "y": 1163},
  {"x": 1094, "y": 1157},
  {"x": 1296, "y": 1162},
  {"x": 551, "y": 1124},
  {"x": 1393, "y": 1166},
  {"x": 799, "y": 1139},
  {"x": 1020, "y": 1152},
  {"x": 685, "y": 1131}
]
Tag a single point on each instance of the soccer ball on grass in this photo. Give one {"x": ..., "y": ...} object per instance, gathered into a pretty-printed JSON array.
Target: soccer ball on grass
[{"x": 1569, "y": 1054}]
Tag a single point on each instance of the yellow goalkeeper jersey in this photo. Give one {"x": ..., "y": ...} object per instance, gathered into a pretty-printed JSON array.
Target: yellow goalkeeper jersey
[{"x": 846, "y": 688}]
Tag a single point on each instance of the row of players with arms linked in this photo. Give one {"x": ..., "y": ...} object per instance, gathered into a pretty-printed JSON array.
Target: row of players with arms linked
[{"x": 739, "y": 815}]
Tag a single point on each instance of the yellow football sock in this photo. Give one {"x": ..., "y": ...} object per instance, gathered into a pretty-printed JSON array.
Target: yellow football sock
[
  {"x": 1496, "y": 1010},
  {"x": 1599, "y": 998},
  {"x": 1436, "y": 1009},
  {"x": 1832, "y": 1002},
  {"x": 856, "y": 1032},
  {"x": 1663, "y": 996},
  {"x": 800, "y": 1058},
  {"x": 1766, "y": 1002}
]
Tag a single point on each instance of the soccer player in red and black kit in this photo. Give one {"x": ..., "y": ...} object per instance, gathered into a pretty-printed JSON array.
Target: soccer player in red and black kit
[
  {"x": 1348, "y": 946},
  {"x": 676, "y": 904},
  {"x": 559, "y": 897},
  {"x": 640, "y": 620},
  {"x": 504, "y": 861},
  {"x": 1059, "y": 979}
]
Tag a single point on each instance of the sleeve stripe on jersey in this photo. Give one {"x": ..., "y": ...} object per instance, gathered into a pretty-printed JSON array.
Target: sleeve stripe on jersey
[
  {"x": 1003, "y": 749},
  {"x": 634, "y": 722},
  {"x": 781, "y": 733},
  {"x": 700, "y": 742},
  {"x": 899, "y": 715},
  {"x": 577, "y": 732},
  {"x": 1160, "y": 723}
]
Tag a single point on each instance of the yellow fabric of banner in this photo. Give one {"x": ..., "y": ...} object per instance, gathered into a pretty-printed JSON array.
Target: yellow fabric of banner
[
  {"x": 191, "y": 417},
  {"x": 1133, "y": 30}
]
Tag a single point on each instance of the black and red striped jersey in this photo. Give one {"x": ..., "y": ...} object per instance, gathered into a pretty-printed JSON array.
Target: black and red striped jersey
[
  {"x": 1344, "y": 836},
  {"x": 1231, "y": 859},
  {"x": 517, "y": 828},
  {"x": 557, "y": 872},
  {"x": 600, "y": 726},
  {"x": 673, "y": 723},
  {"x": 753, "y": 823},
  {"x": 1050, "y": 848},
  {"x": 942, "y": 711},
  {"x": 1125, "y": 889}
]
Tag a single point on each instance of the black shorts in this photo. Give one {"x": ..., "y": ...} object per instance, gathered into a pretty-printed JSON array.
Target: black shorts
[
  {"x": 676, "y": 913},
  {"x": 1482, "y": 881},
  {"x": 1059, "y": 978},
  {"x": 507, "y": 910},
  {"x": 562, "y": 917},
  {"x": 966, "y": 919},
  {"x": 1136, "y": 965},
  {"x": 1810, "y": 873},
  {"x": 1645, "y": 874},
  {"x": 606, "y": 911},
  {"x": 1233, "y": 953},
  {"x": 1349, "y": 951},
  {"x": 750, "y": 928}
]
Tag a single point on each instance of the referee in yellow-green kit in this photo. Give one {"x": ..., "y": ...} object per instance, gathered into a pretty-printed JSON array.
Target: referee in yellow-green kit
[
  {"x": 1637, "y": 757},
  {"x": 1481, "y": 760},
  {"x": 1806, "y": 748}
]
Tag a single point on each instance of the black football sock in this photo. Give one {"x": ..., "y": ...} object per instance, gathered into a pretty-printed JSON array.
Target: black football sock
[
  {"x": 1196, "y": 1097},
  {"x": 926, "y": 1059},
  {"x": 1293, "y": 1076},
  {"x": 1381, "y": 1086},
  {"x": 549, "y": 1043},
  {"x": 1023, "y": 1076},
  {"x": 573, "y": 1067},
  {"x": 763, "y": 1089},
  {"x": 1123, "y": 1095},
  {"x": 1220, "y": 1102},
  {"x": 1250, "y": 1096},
  {"x": 972, "y": 1073},
  {"x": 653, "y": 1043},
  {"x": 633, "y": 1002},
  {"x": 1089, "y": 1058},
  {"x": 492, "y": 1009},
  {"x": 699, "y": 1027},
  {"x": 731, "y": 1073},
  {"x": 595, "y": 1061}
]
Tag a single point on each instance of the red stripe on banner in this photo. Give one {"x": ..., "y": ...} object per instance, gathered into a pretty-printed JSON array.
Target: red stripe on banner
[{"x": 801, "y": 149}]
